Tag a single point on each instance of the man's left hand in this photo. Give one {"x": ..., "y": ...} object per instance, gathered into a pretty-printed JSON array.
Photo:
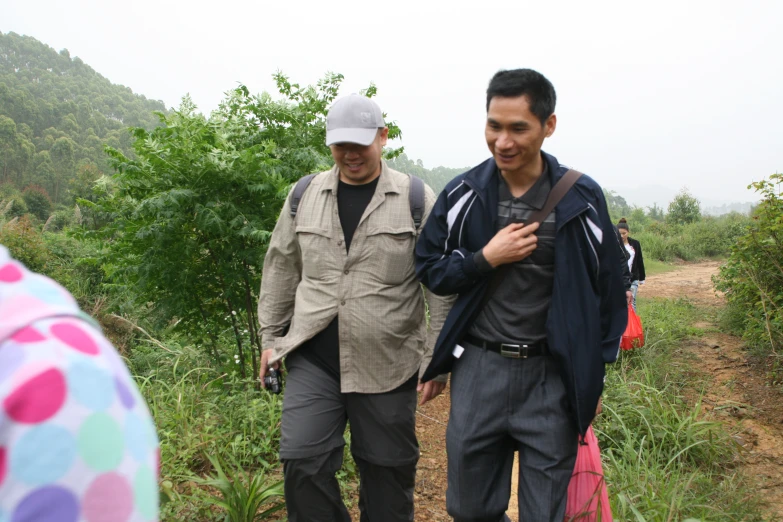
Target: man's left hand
[
  {"x": 429, "y": 390},
  {"x": 600, "y": 407},
  {"x": 628, "y": 296}
]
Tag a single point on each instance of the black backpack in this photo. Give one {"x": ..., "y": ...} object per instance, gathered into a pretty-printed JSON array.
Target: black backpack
[{"x": 415, "y": 197}]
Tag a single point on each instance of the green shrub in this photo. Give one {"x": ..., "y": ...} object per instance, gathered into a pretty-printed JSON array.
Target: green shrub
[
  {"x": 38, "y": 202},
  {"x": 242, "y": 494},
  {"x": 25, "y": 244},
  {"x": 13, "y": 207},
  {"x": 753, "y": 276}
]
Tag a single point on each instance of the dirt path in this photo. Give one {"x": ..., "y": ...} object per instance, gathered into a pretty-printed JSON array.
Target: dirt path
[
  {"x": 738, "y": 394},
  {"x": 738, "y": 391}
]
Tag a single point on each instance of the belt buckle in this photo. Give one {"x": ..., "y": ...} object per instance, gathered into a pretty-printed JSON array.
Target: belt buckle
[{"x": 514, "y": 351}]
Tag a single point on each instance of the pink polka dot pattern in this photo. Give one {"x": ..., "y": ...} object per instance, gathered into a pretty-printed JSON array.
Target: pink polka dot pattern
[
  {"x": 64, "y": 394},
  {"x": 3, "y": 464},
  {"x": 75, "y": 337},
  {"x": 28, "y": 334},
  {"x": 38, "y": 399},
  {"x": 108, "y": 499},
  {"x": 10, "y": 274}
]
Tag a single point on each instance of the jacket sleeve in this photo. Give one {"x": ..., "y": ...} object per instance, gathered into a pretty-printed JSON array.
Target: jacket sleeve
[
  {"x": 438, "y": 306},
  {"x": 441, "y": 265},
  {"x": 613, "y": 305},
  {"x": 642, "y": 275},
  {"x": 280, "y": 278},
  {"x": 626, "y": 272}
]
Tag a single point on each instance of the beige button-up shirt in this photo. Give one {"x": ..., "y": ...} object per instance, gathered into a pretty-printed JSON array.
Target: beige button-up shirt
[{"x": 309, "y": 278}]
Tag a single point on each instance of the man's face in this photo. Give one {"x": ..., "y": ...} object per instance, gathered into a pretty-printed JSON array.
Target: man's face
[
  {"x": 514, "y": 134},
  {"x": 360, "y": 164},
  {"x": 624, "y": 234}
]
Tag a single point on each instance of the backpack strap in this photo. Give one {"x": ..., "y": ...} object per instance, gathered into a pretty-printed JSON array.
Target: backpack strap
[
  {"x": 299, "y": 190},
  {"x": 416, "y": 200},
  {"x": 415, "y": 197},
  {"x": 556, "y": 193}
]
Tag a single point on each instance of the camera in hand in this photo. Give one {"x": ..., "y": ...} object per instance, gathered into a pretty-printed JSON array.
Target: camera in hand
[{"x": 273, "y": 381}]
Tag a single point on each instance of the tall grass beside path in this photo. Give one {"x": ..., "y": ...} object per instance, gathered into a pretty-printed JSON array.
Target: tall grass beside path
[{"x": 663, "y": 460}]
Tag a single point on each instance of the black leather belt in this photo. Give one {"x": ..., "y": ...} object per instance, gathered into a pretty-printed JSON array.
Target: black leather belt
[{"x": 512, "y": 350}]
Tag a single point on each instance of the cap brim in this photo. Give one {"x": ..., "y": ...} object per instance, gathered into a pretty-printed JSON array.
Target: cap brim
[{"x": 359, "y": 136}]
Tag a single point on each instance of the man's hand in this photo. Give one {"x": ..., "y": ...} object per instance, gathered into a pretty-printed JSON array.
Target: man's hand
[
  {"x": 265, "y": 356},
  {"x": 600, "y": 406},
  {"x": 628, "y": 296},
  {"x": 429, "y": 390},
  {"x": 511, "y": 244}
]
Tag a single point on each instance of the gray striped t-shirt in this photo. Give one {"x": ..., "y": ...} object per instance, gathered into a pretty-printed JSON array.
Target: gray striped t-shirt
[{"x": 518, "y": 309}]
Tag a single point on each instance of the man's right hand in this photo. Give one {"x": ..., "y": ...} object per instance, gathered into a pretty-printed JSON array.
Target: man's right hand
[
  {"x": 511, "y": 244},
  {"x": 265, "y": 356}
]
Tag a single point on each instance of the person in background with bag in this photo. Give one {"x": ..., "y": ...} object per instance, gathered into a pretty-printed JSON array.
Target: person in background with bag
[
  {"x": 635, "y": 258},
  {"x": 528, "y": 246},
  {"x": 624, "y": 268},
  {"x": 340, "y": 271}
]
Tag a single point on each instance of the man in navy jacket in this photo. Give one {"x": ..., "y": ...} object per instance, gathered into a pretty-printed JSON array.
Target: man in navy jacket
[{"x": 527, "y": 365}]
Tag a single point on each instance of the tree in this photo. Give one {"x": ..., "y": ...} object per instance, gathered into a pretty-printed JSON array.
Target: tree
[
  {"x": 616, "y": 204},
  {"x": 62, "y": 155},
  {"x": 190, "y": 218},
  {"x": 38, "y": 202},
  {"x": 684, "y": 209},
  {"x": 655, "y": 212}
]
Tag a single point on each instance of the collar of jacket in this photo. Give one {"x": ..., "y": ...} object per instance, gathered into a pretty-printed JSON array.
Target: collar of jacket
[
  {"x": 386, "y": 182},
  {"x": 483, "y": 180}
]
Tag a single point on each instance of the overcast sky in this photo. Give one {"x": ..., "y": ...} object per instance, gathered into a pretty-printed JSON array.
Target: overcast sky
[{"x": 651, "y": 96}]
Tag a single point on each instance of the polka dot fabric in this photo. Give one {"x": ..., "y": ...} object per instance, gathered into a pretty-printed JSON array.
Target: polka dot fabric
[{"x": 77, "y": 442}]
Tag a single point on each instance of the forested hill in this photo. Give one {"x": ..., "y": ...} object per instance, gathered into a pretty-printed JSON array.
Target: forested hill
[{"x": 56, "y": 114}]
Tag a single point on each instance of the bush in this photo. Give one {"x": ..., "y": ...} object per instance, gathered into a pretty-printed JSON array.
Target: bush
[
  {"x": 753, "y": 276},
  {"x": 13, "y": 207},
  {"x": 60, "y": 219},
  {"x": 684, "y": 209},
  {"x": 708, "y": 237},
  {"x": 25, "y": 244},
  {"x": 38, "y": 202}
]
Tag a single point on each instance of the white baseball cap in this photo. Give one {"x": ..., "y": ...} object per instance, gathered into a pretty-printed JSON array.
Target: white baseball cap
[{"x": 353, "y": 119}]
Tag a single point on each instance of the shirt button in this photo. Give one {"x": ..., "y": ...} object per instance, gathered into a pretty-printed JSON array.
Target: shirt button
[
  {"x": 340, "y": 242},
  {"x": 346, "y": 272},
  {"x": 342, "y": 303}
]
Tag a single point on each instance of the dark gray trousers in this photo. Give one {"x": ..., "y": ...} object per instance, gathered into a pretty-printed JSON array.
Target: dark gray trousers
[
  {"x": 383, "y": 444},
  {"x": 499, "y": 406}
]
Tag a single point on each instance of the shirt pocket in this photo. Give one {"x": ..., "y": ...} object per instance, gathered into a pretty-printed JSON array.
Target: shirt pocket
[
  {"x": 316, "y": 246},
  {"x": 391, "y": 251}
]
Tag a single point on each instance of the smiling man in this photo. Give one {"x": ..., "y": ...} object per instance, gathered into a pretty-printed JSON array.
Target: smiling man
[
  {"x": 341, "y": 302},
  {"x": 541, "y": 309}
]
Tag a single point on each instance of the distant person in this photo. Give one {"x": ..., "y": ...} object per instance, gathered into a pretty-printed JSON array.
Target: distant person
[
  {"x": 341, "y": 302},
  {"x": 626, "y": 270},
  {"x": 76, "y": 439},
  {"x": 541, "y": 309},
  {"x": 635, "y": 259}
]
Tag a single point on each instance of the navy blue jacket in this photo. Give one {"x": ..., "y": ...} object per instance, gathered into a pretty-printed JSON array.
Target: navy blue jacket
[{"x": 588, "y": 312}]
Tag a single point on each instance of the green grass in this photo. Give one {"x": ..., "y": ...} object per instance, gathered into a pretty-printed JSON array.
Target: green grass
[
  {"x": 663, "y": 459},
  {"x": 653, "y": 266}
]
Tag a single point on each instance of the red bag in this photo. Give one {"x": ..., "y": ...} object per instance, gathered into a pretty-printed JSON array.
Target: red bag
[
  {"x": 634, "y": 333},
  {"x": 588, "y": 499}
]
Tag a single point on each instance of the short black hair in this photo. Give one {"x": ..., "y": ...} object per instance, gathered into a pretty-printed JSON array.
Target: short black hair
[{"x": 525, "y": 82}]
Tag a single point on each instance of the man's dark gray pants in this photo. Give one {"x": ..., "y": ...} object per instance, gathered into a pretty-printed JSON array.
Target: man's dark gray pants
[
  {"x": 501, "y": 405},
  {"x": 383, "y": 444}
]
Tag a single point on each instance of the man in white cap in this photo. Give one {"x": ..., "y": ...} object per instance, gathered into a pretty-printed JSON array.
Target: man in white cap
[{"x": 341, "y": 302}]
